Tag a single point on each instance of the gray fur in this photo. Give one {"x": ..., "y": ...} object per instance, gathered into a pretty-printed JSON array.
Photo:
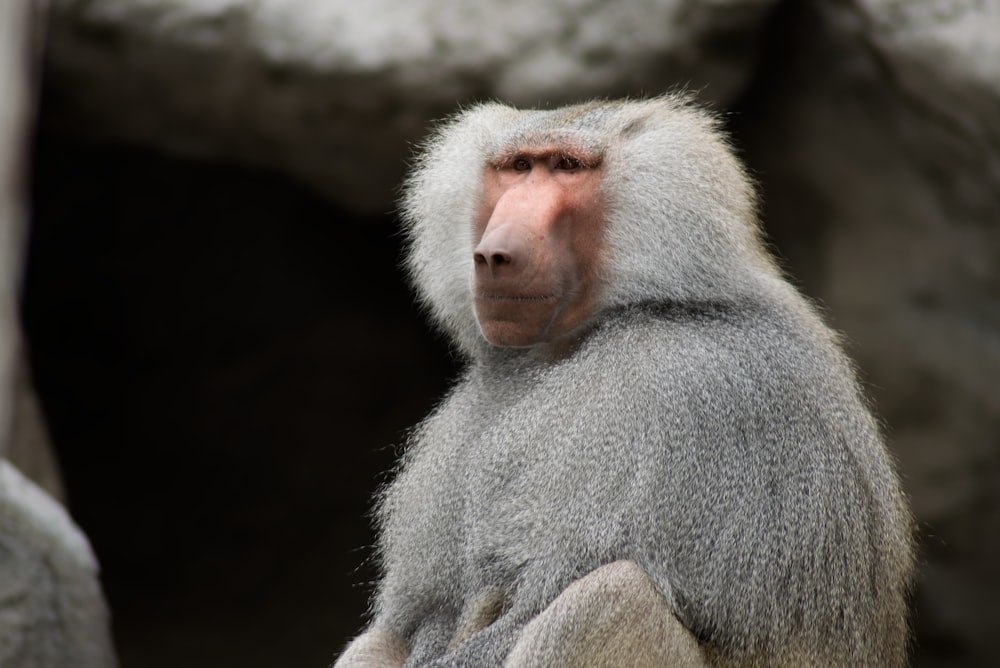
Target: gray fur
[{"x": 706, "y": 425}]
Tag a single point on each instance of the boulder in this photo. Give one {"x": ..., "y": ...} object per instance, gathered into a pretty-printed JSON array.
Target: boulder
[
  {"x": 335, "y": 92},
  {"x": 52, "y": 611}
]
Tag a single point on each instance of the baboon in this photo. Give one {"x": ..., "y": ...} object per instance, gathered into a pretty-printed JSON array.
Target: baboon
[{"x": 657, "y": 453}]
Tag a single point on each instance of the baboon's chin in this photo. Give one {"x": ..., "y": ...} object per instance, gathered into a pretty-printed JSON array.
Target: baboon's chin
[
  {"x": 513, "y": 334},
  {"x": 516, "y": 322}
]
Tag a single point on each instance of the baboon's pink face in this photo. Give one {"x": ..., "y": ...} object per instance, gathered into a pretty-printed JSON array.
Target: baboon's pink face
[{"x": 539, "y": 240}]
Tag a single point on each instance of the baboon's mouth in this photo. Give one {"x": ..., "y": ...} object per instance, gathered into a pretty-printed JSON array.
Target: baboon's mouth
[{"x": 492, "y": 297}]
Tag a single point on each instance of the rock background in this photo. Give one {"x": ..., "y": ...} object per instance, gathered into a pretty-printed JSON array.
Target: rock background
[
  {"x": 52, "y": 609},
  {"x": 225, "y": 351},
  {"x": 332, "y": 93}
]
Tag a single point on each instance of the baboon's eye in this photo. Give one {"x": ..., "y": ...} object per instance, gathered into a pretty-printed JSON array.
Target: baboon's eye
[
  {"x": 521, "y": 165},
  {"x": 568, "y": 163}
]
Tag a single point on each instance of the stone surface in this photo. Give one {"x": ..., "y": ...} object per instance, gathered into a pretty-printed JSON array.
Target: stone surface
[
  {"x": 878, "y": 143},
  {"x": 14, "y": 18},
  {"x": 52, "y": 612},
  {"x": 333, "y": 92},
  {"x": 28, "y": 446},
  {"x": 23, "y": 437}
]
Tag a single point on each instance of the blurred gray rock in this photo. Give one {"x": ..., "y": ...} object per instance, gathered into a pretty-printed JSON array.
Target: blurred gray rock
[
  {"x": 879, "y": 151},
  {"x": 52, "y": 612},
  {"x": 14, "y": 110},
  {"x": 23, "y": 436},
  {"x": 28, "y": 446},
  {"x": 333, "y": 92}
]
